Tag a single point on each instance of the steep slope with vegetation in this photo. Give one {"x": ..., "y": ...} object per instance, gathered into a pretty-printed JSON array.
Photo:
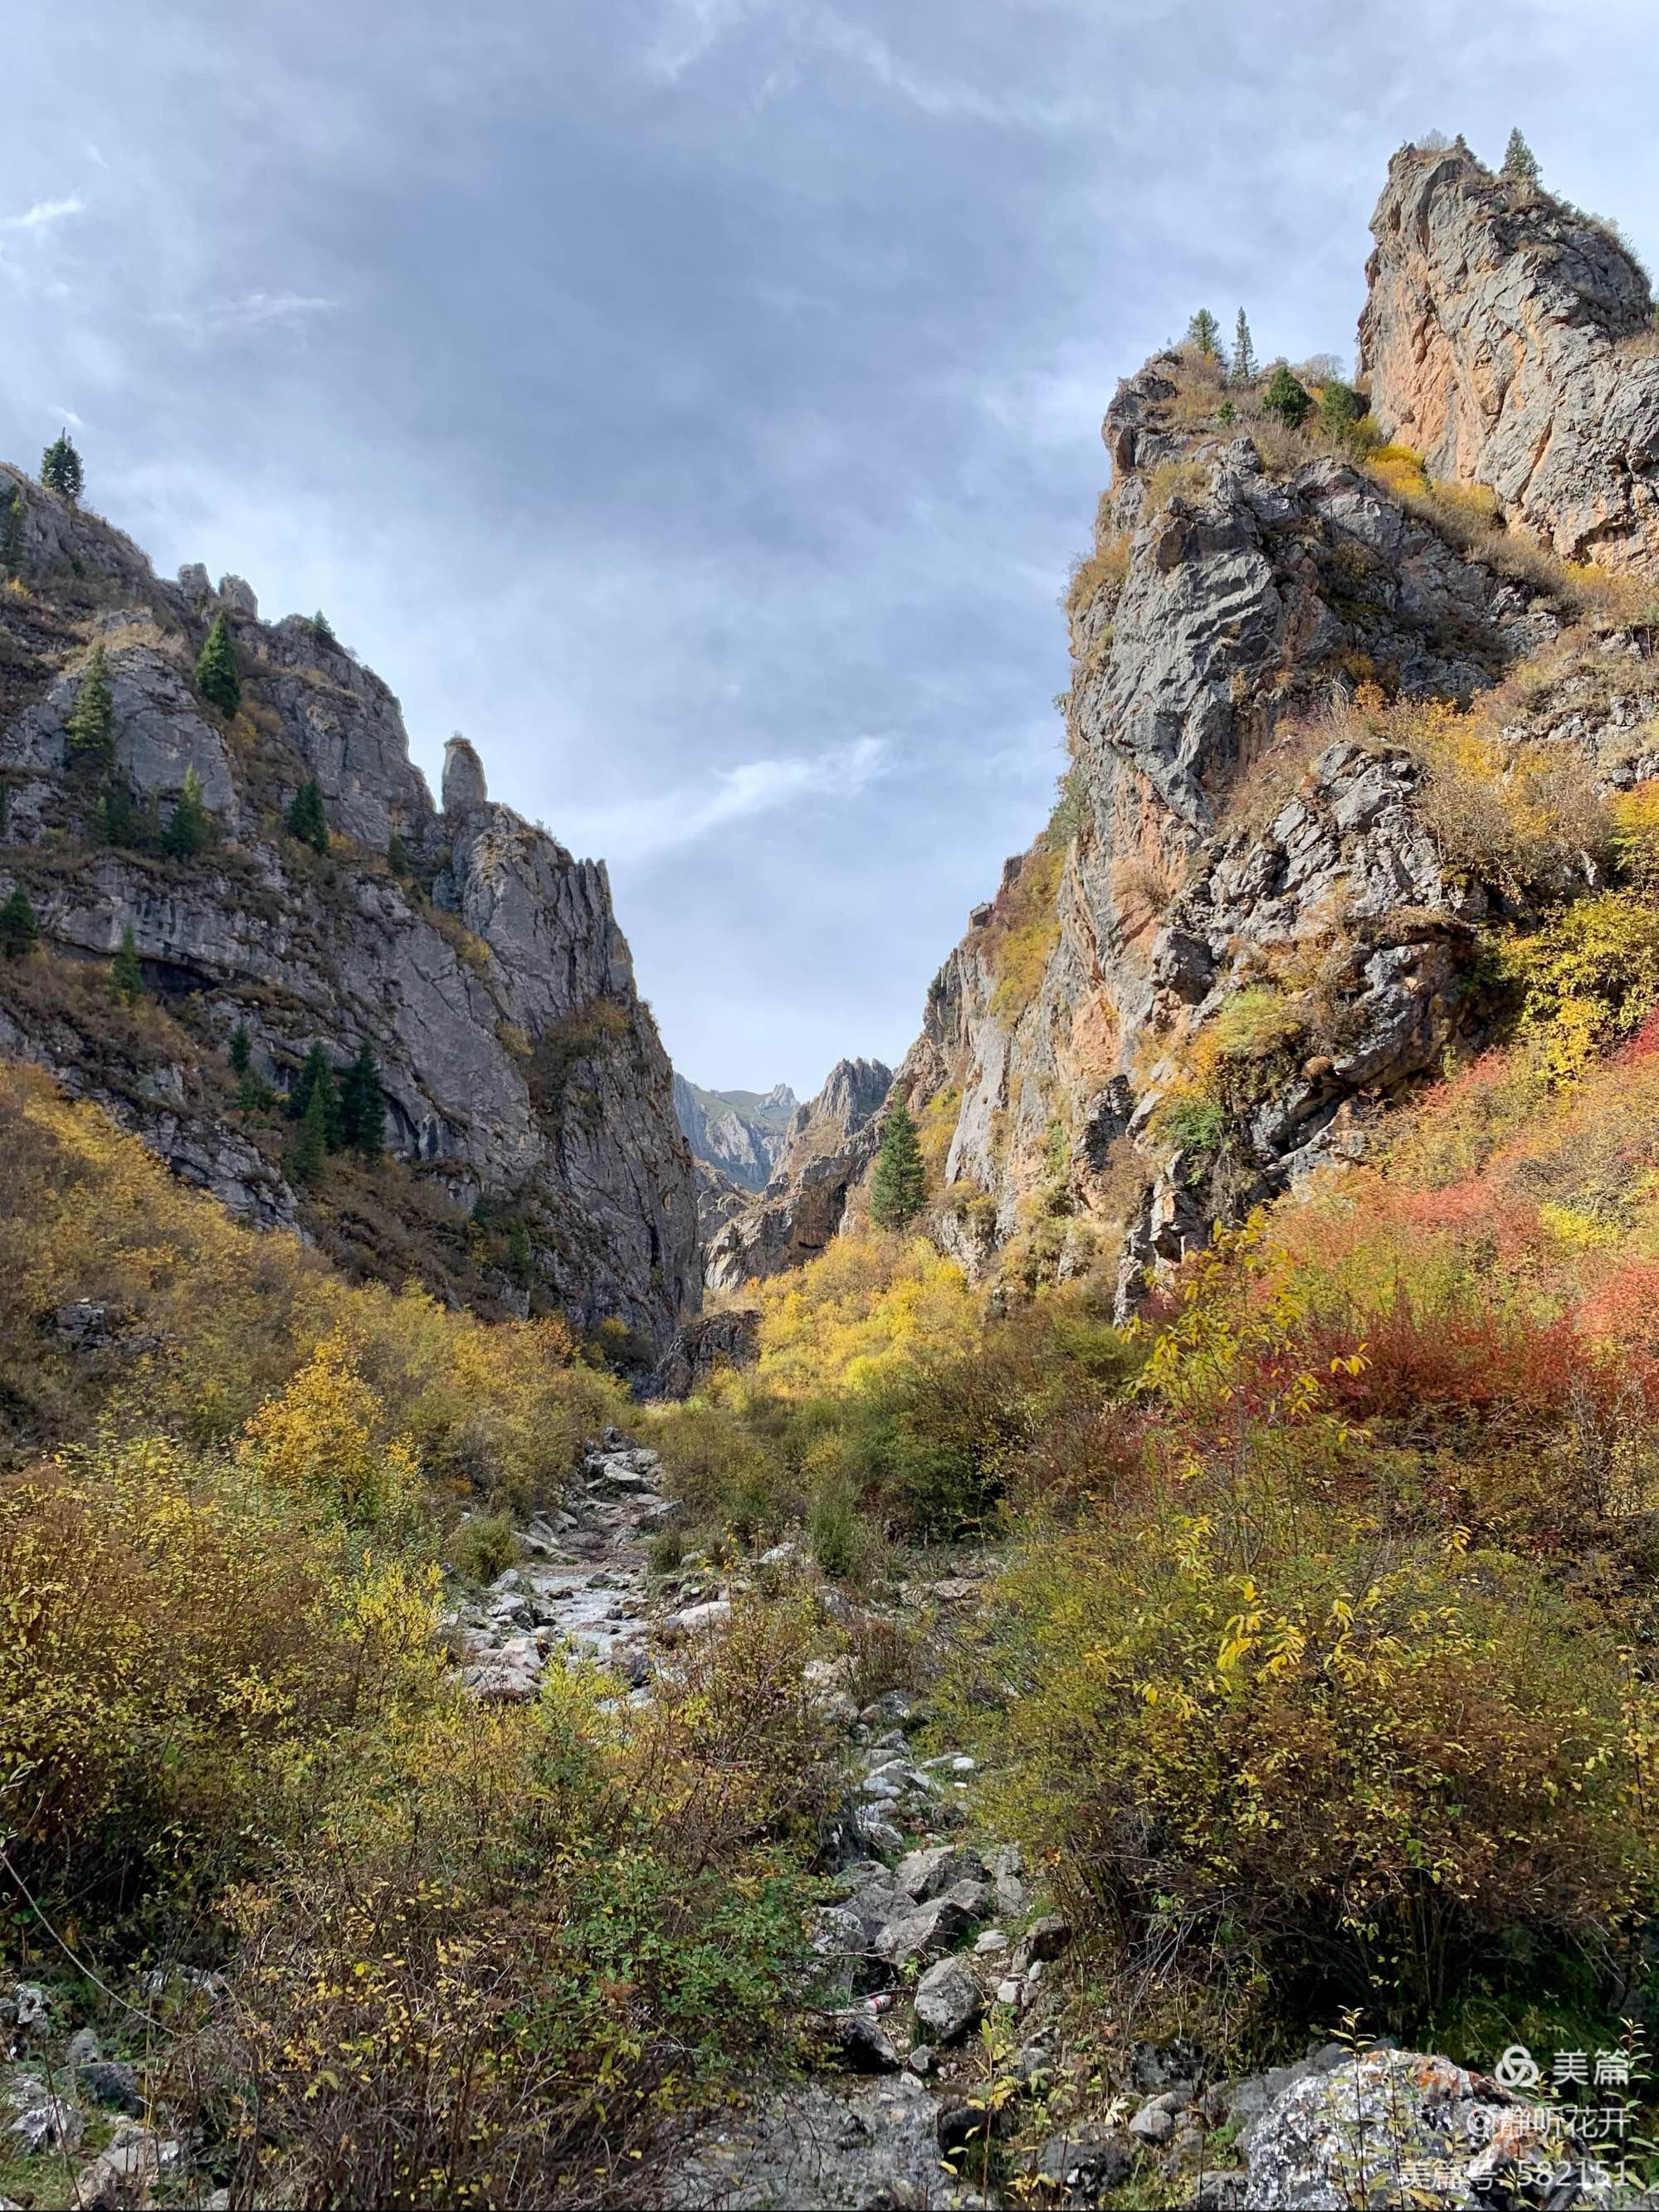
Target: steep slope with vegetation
[
  {"x": 1158, "y": 1580},
  {"x": 1344, "y": 733},
  {"x": 228, "y": 806}
]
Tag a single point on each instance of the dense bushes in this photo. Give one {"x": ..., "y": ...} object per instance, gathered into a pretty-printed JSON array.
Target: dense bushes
[
  {"x": 1254, "y": 1733},
  {"x": 882, "y": 1382},
  {"x": 205, "y": 1321},
  {"x": 530, "y": 1937},
  {"x": 189, "y": 1655}
]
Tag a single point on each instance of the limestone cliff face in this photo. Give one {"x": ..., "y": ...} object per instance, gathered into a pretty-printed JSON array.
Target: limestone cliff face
[
  {"x": 1237, "y": 604},
  {"x": 1509, "y": 339},
  {"x": 529, "y": 1098},
  {"x": 740, "y": 1134},
  {"x": 1240, "y": 878},
  {"x": 832, "y": 1141}
]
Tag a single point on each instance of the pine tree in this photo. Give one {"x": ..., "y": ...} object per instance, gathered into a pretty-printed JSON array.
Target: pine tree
[
  {"x": 520, "y": 1256},
  {"x": 126, "y": 977},
  {"x": 254, "y": 1095},
  {"x": 1244, "y": 363},
  {"x": 1520, "y": 163},
  {"x": 362, "y": 1106},
  {"x": 119, "y": 819},
  {"x": 898, "y": 1189},
  {"x": 240, "y": 1051},
  {"x": 396, "y": 856},
  {"x": 217, "y": 678},
  {"x": 12, "y": 514},
  {"x": 323, "y": 629},
  {"x": 187, "y": 832},
  {"x": 306, "y": 819},
  {"x": 60, "y": 469},
  {"x": 1286, "y": 398},
  {"x": 316, "y": 1081},
  {"x": 308, "y": 1155},
  {"x": 90, "y": 728},
  {"x": 1205, "y": 332},
  {"x": 20, "y": 933}
]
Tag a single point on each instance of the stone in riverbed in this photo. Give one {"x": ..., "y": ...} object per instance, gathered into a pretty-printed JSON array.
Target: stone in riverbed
[{"x": 949, "y": 2000}]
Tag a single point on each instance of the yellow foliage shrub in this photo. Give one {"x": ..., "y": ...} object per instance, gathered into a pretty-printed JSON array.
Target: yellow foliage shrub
[
  {"x": 325, "y": 1437},
  {"x": 185, "y": 1655},
  {"x": 1590, "y": 977},
  {"x": 1255, "y": 1733},
  {"x": 1514, "y": 815},
  {"x": 1636, "y": 835},
  {"x": 861, "y": 1310},
  {"x": 532, "y": 1938},
  {"x": 210, "y": 1320}
]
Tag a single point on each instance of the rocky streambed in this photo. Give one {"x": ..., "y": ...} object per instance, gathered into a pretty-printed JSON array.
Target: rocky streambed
[
  {"x": 947, "y": 2082},
  {"x": 949, "y": 2078}
]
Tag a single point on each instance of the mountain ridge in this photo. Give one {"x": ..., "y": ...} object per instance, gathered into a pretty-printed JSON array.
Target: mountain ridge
[{"x": 534, "y": 1154}]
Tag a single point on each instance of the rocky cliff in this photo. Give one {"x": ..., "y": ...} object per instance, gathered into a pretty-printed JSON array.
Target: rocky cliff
[
  {"x": 1253, "y": 919},
  {"x": 536, "y": 1159},
  {"x": 831, "y": 1143},
  {"x": 1511, "y": 341},
  {"x": 742, "y": 1134}
]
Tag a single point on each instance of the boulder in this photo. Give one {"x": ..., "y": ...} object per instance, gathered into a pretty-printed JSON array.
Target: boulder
[
  {"x": 863, "y": 2043},
  {"x": 112, "y": 2083},
  {"x": 1397, "y": 2127},
  {"x": 928, "y": 1873},
  {"x": 926, "y": 1929},
  {"x": 1043, "y": 1939},
  {"x": 949, "y": 2002},
  {"x": 874, "y": 2147},
  {"x": 41, "y": 2120},
  {"x": 1085, "y": 2161}
]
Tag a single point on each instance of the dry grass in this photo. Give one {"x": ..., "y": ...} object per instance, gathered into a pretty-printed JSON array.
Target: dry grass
[
  {"x": 1469, "y": 518},
  {"x": 1173, "y": 480}
]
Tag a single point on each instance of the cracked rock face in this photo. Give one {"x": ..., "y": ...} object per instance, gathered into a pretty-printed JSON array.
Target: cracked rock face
[
  {"x": 832, "y": 1141},
  {"x": 490, "y": 978},
  {"x": 1510, "y": 341},
  {"x": 1248, "y": 601}
]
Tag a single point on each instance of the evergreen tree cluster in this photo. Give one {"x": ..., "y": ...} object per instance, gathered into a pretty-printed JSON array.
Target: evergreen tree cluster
[
  {"x": 19, "y": 932},
  {"x": 898, "y": 1189},
  {"x": 307, "y": 820},
  {"x": 342, "y": 1111},
  {"x": 12, "y": 516},
  {"x": 217, "y": 677},
  {"x": 61, "y": 470}
]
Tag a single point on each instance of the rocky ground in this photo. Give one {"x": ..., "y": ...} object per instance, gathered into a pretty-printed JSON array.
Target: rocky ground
[{"x": 949, "y": 2080}]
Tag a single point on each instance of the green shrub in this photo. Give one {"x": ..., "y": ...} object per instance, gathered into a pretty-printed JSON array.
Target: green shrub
[
  {"x": 833, "y": 1530},
  {"x": 1335, "y": 1766},
  {"x": 1286, "y": 399},
  {"x": 483, "y": 1546},
  {"x": 1196, "y": 1124}
]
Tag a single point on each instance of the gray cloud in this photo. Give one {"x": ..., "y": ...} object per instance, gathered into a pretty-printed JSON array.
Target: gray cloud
[{"x": 697, "y": 401}]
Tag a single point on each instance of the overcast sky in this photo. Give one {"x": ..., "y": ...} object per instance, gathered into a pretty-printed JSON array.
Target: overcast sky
[{"x": 698, "y": 402}]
